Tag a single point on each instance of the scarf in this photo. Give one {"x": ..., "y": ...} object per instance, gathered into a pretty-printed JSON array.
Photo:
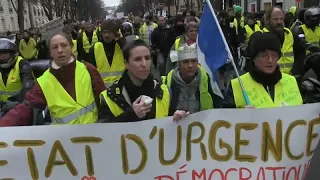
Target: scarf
[
  {"x": 265, "y": 79},
  {"x": 134, "y": 91}
]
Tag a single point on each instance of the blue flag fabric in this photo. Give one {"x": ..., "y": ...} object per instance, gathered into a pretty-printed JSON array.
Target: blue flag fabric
[{"x": 211, "y": 41}]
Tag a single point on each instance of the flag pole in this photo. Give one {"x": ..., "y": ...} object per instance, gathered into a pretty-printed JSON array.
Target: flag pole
[{"x": 245, "y": 95}]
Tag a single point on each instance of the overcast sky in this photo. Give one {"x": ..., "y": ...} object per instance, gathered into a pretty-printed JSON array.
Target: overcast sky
[{"x": 111, "y": 2}]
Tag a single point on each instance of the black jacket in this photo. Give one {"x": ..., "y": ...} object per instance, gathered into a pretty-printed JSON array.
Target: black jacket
[
  {"x": 159, "y": 40},
  {"x": 151, "y": 88},
  {"x": 109, "y": 49}
]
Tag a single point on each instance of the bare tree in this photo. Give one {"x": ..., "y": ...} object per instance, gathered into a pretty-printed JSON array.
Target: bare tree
[
  {"x": 19, "y": 10},
  {"x": 30, "y": 4},
  {"x": 48, "y": 8}
]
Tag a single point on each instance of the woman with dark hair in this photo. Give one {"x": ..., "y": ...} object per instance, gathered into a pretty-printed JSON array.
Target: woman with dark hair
[
  {"x": 69, "y": 89},
  {"x": 137, "y": 95}
]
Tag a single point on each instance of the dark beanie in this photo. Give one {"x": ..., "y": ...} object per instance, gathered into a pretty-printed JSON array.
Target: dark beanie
[
  {"x": 110, "y": 25},
  {"x": 178, "y": 18},
  {"x": 263, "y": 41}
]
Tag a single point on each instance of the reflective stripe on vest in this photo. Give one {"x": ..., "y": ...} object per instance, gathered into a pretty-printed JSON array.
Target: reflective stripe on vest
[
  {"x": 162, "y": 105},
  {"x": 70, "y": 117},
  {"x": 287, "y": 59},
  {"x": 86, "y": 44},
  {"x": 113, "y": 73},
  {"x": 10, "y": 93},
  {"x": 13, "y": 85},
  {"x": 249, "y": 31},
  {"x": 286, "y": 92},
  {"x": 62, "y": 107},
  {"x": 205, "y": 97}
]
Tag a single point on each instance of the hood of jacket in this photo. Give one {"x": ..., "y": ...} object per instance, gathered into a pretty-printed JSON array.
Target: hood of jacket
[{"x": 188, "y": 98}]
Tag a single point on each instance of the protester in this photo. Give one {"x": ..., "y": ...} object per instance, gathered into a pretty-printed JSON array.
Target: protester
[
  {"x": 189, "y": 83},
  {"x": 70, "y": 89},
  {"x": 265, "y": 85},
  {"x": 125, "y": 100},
  {"x": 309, "y": 33},
  {"x": 147, "y": 28},
  {"x": 107, "y": 55},
  {"x": 190, "y": 37},
  {"x": 87, "y": 38},
  {"x": 28, "y": 46},
  {"x": 16, "y": 74},
  {"x": 293, "y": 53}
]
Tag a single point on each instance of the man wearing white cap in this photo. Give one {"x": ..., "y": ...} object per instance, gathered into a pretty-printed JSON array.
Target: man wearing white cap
[{"x": 189, "y": 83}]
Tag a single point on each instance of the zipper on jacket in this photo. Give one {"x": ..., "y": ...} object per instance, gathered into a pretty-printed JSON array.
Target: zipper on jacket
[{"x": 268, "y": 91}]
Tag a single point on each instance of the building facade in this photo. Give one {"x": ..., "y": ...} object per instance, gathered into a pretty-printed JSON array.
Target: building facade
[
  {"x": 9, "y": 17},
  {"x": 260, "y": 5}
]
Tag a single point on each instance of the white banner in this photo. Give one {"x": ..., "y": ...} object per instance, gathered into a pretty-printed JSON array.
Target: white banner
[
  {"x": 51, "y": 28},
  {"x": 227, "y": 144}
]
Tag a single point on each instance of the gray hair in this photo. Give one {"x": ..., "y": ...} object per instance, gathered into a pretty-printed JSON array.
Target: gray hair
[{"x": 192, "y": 24}]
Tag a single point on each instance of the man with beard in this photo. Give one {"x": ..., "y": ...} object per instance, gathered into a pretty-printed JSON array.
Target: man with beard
[
  {"x": 107, "y": 55},
  {"x": 293, "y": 53}
]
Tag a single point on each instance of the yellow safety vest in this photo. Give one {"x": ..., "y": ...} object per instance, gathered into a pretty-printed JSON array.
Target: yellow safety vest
[
  {"x": 28, "y": 50},
  {"x": 86, "y": 43},
  {"x": 177, "y": 44},
  {"x": 162, "y": 105},
  {"x": 312, "y": 37},
  {"x": 287, "y": 59},
  {"x": 113, "y": 72},
  {"x": 143, "y": 30},
  {"x": 74, "y": 48},
  {"x": 235, "y": 23},
  {"x": 205, "y": 97},
  {"x": 98, "y": 29},
  {"x": 249, "y": 31},
  {"x": 259, "y": 24},
  {"x": 286, "y": 92},
  {"x": 13, "y": 85},
  {"x": 62, "y": 107}
]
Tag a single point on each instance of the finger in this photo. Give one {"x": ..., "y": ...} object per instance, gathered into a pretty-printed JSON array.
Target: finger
[
  {"x": 137, "y": 100},
  {"x": 149, "y": 106},
  {"x": 144, "y": 108}
]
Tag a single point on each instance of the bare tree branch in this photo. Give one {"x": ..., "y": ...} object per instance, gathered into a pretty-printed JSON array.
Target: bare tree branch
[{"x": 14, "y": 6}]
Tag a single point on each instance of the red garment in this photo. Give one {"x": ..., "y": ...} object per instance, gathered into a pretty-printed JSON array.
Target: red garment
[
  {"x": 189, "y": 42},
  {"x": 22, "y": 115}
]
